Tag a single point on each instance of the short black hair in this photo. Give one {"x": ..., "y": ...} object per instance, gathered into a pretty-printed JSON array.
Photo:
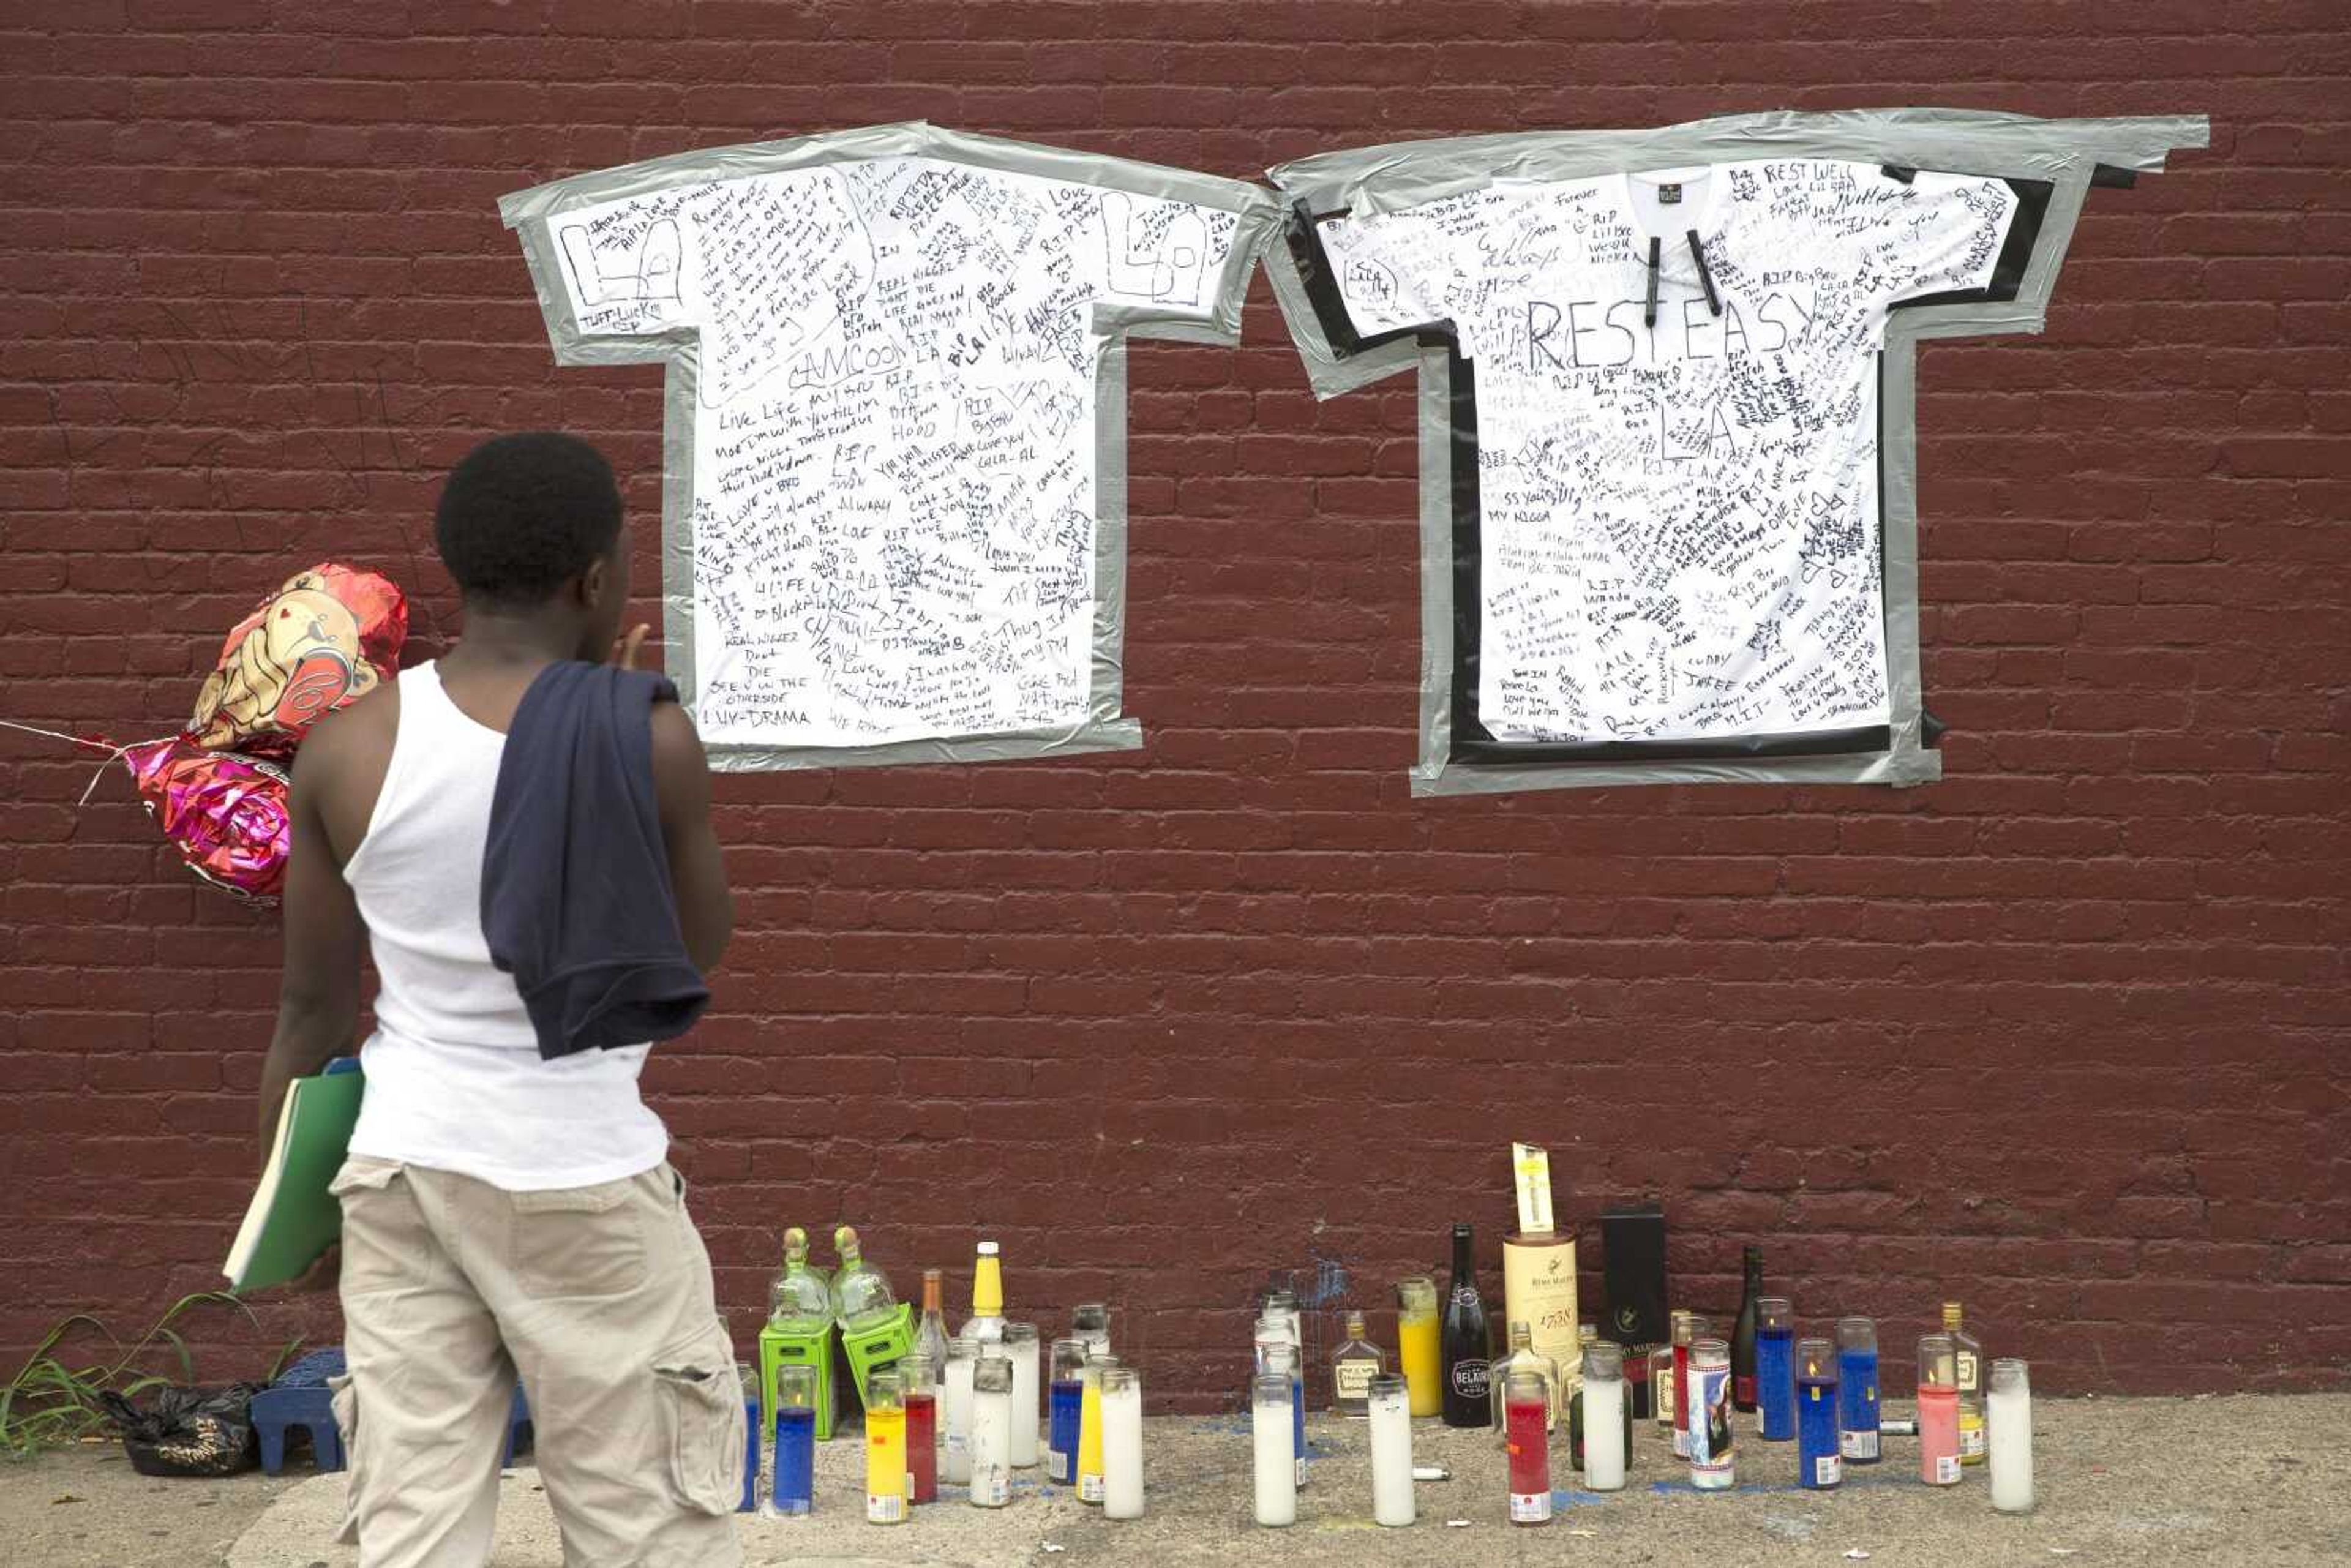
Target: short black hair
[{"x": 523, "y": 515}]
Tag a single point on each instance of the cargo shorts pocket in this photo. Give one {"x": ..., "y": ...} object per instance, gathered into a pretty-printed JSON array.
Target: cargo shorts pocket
[
  {"x": 385, "y": 1239},
  {"x": 344, "y": 1401},
  {"x": 580, "y": 1241},
  {"x": 702, "y": 1420}
]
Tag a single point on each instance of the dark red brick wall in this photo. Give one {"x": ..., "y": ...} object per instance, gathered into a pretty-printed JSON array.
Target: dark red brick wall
[{"x": 2064, "y": 1035}]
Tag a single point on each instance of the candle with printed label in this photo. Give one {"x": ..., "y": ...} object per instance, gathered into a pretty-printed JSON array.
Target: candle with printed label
[
  {"x": 1857, "y": 1390},
  {"x": 1775, "y": 1375},
  {"x": 955, "y": 1411},
  {"x": 991, "y": 1432},
  {"x": 1938, "y": 1411},
  {"x": 1065, "y": 1398},
  {"x": 1819, "y": 1464},
  {"x": 1526, "y": 1404},
  {"x": 922, "y": 1404},
  {"x": 1709, "y": 1403},
  {"x": 1122, "y": 1400},
  {"x": 1089, "y": 1454},
  {"x": 886, "y": 1449}
]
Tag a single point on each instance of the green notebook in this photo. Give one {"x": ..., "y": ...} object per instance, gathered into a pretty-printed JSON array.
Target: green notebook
[{"x": 293, "y": 1219}]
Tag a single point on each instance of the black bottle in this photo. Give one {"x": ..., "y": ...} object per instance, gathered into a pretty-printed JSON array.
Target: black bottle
[
  {"x": 1467, "y": 1349},
  {"x": 1742, "y": 1336}
]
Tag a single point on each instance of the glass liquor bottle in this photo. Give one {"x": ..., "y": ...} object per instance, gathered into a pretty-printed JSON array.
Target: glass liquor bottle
[
  {"x": 1524, "y": 1357},
  {"x": 798, "y": 1302},
  {"x": 860, "y": 1296},
  {"x": 987, "y": 1322},
  {"x": 931, "y": 1333},
  {"x": 1969, "y": 1356},
  {"x": 1742, "y": 1334},
  {"x": 1468, "y": 1346},
  {"x": 1353, "y": 1366}
]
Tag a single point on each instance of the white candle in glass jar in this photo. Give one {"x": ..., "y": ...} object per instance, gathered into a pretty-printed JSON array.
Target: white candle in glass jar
[
  {"x": 1276, "y": 1467},
  {"x": 991, "y": 1433},
  {"x": 955, "y": 1412},
  {"x": 2008, "y": 1403},
  {"x": 1021, "y": 1344},
  {"x": 1122, "y": 1425},
  {"x": 1603, "y": 1433},
  {"x": 1390, "y": 1410}
]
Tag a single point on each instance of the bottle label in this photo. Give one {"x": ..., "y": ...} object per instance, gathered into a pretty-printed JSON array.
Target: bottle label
[
  {"x": 1969, "y": 1374},
  {"x": 1947, "y": 1468},
  {"x": 1529, "y": 1507},
  {"x": 1057, "y": 1465},
  {"x": 1827, "y": 1470},
  {"x": 1353, "y": 1379},
  {"x": 1472, "y": 1378},
  {"x": 1089, "y": 1488},
  {"x": 1858, "y": 1445},
  {"x": 991, "y": 1487},
  {"x": 885, "y": 1507},
  {"x": 1971, "y": 1438},
  {"x": 1744, "y": 1389}
]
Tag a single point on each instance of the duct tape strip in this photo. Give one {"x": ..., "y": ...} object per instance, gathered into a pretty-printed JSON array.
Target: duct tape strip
[
  {"x": 1104, "y": 728},
  {"x": 2049, "y": 163}
]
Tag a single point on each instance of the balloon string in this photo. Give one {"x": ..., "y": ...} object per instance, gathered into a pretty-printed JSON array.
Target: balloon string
[{"x": 113, "y": 753}]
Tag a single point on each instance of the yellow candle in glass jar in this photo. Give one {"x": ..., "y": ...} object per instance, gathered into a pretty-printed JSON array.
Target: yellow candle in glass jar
[
  {"x": 1416, "y": 1344},
  {"x": 885, "y": 1449}
]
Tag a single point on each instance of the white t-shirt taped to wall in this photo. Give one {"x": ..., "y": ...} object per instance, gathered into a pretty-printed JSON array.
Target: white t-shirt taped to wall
[
  {"x": 893, "y": 464},
  {"x": 1678, "y": 524}
]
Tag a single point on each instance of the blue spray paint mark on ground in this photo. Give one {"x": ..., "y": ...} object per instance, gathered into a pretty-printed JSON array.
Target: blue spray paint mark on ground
[{"x": 1664, "y": 1489}]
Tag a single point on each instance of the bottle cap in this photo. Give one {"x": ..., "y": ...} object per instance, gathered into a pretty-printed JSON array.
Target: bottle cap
[{"x": 987, "y": 1250}]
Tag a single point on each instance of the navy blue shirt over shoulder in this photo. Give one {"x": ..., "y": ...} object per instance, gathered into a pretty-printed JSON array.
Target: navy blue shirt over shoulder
[{"x": 576, "y": 896}]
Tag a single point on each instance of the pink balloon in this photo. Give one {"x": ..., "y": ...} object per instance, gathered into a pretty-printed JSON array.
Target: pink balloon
[{"x": 225, "y": 814}]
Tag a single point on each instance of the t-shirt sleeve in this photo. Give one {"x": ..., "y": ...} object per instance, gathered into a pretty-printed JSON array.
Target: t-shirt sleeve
[
  {"x": 1170, "y": 258},
  {"x": 1942, "y": 235},
  {"x": 623, "y": 265},
  {"x": 1391, "y": 268}
]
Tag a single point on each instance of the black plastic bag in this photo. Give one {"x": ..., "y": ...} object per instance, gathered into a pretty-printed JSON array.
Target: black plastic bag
[{"x": 188, "y": 1431}]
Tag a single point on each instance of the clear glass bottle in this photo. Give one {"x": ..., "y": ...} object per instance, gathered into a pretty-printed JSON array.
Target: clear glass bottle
[
  {"x": 1283, "y": 1304},
  {"x": 1089, "y": 1322},
  {"x": 1968, "y": 1364},
  {"x": 987, "y": 1322},
  {"x": 991, "y": 1432},
  {"x": 1524, "y": 1357},
  {"x": 931, "y": 1333},
  {"x": 861, "y": 1295},
  {"x": 1353, "y": 1366},
  {"x": 1661, "y": 1385},
  {"x": 798, "y": 1301},
  {"x": 2008, "y": 1414}
]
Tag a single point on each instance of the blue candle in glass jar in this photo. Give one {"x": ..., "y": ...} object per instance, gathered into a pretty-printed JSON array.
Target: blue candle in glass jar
[
  {"x": 1775, "y": 1377},
  {"x": 1066, "y": 1407},
  {"x": 1819, "y": 1463},
  {"x": 1858, "y": 1389},
  {"x": 793, "y": 1490}
]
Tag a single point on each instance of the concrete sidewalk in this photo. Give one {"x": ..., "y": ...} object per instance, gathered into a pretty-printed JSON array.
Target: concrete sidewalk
[{"x": 2243, "y": 1479}]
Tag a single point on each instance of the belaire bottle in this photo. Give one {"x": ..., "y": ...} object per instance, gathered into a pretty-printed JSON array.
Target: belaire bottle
[
  {"x": 1742, "y": 1334},
  {"x": 1468, "y": 1347}
]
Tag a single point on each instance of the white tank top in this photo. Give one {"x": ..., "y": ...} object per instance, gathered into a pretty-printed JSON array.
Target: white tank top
[{"x": 455, "y": 1081}]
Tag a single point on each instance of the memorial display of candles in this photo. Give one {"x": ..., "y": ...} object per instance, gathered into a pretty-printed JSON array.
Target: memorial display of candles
[
  {"x": 1390, "y": 1413},
  {"x": 2007, "y": 1398},
  {"x": 1122, "y": 1417},
  {"x": 1274, "y": 1469}
]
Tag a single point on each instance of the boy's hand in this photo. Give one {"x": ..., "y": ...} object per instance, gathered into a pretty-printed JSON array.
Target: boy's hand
[{"x": 625, "y": 646}]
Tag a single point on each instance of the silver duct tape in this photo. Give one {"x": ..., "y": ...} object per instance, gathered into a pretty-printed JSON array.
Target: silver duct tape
[
  {"x": 1406, "y": 174},
  {"x": 1104, "y": 729},
  {"x": 2063, "y": 152}
]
